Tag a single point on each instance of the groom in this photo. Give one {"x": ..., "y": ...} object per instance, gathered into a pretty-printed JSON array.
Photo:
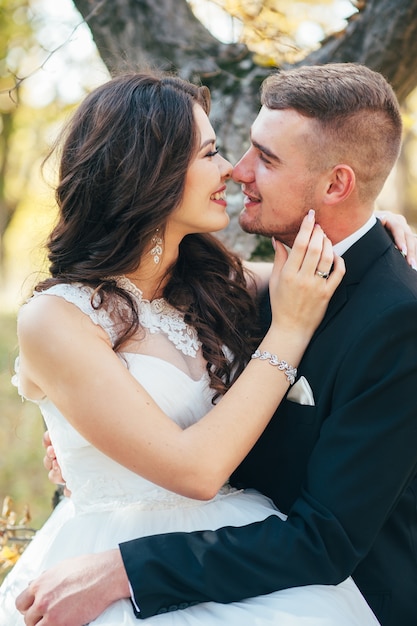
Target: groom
[{"x": 340, "y": 454}]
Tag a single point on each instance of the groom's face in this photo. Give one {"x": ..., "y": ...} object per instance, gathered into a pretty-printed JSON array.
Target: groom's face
[{"x": 276, "y": 175}]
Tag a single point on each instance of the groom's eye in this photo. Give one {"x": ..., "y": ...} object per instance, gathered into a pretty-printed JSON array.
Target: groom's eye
[{"x": 264, "y": 158}]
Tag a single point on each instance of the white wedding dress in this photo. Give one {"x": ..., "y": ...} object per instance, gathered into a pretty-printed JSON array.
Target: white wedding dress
[{"x": 110, "y": 504}]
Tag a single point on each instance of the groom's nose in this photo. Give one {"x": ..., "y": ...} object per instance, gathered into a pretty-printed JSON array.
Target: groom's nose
[{"x": 243, "y": 170}]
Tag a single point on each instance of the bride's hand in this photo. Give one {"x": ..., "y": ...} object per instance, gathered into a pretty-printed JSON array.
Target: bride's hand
[
  {"x": 400, "y": 231},
  {"x": 299, "y": 291}
]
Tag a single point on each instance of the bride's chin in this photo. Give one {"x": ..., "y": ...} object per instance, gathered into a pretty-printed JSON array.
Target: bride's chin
[{"x": 221, "y": 224}]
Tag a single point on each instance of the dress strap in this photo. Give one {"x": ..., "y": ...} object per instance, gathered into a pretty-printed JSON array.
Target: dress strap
[
  {"x": 82, "y": 296},
  {"x": 156, "y": 316}
]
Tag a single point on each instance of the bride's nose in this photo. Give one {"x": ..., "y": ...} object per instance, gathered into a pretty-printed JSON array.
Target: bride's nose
[
  {"x": 227, "y": 168},
  {"x": 243, "y": 170}
]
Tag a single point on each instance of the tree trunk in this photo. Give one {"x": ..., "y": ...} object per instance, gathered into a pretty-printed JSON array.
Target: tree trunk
[{"x": 166, "y": 34}]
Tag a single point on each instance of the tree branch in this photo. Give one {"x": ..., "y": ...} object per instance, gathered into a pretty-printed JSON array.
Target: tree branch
[
  {"x": 164, "y": 33},
  {"x": 382, "y": 36}
]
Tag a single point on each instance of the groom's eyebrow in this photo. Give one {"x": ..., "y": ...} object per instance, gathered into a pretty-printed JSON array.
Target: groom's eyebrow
[{"x": 265, "y": 150}]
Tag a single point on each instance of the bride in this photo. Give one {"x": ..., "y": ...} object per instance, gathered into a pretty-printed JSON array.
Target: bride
[{"x": 135, "y": 349}]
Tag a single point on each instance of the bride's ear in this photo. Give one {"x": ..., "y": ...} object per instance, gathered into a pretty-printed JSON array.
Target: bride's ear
[{"x": 340, "y": 184}]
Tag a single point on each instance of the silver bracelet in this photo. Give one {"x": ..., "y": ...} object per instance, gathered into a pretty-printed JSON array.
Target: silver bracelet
[{"x": 289, "y": 371}]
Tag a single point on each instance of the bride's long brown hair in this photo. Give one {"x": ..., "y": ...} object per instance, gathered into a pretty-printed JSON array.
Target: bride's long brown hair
[{"x": 124, "y": 160}]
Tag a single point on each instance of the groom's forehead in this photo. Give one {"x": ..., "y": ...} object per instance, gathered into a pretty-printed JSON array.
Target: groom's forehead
[{"x": 272, "y": 128}]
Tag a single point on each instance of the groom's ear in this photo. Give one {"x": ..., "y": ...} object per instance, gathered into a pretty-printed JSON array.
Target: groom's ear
[{"x": 340, "y": 184}]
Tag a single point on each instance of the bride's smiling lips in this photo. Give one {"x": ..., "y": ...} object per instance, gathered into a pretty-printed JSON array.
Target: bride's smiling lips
[{"x": 219, "y": 196}]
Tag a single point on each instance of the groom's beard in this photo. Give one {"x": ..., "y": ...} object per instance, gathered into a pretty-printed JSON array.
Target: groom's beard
[
  {"x": 277, "y": 219},
  {"x": 254, "y": 226}
]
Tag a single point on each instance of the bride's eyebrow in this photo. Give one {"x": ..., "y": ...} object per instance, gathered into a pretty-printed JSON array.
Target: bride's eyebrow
[{"x": 208, "y": 142}]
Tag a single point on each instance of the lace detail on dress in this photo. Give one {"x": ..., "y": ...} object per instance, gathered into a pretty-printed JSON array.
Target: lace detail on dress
[
  {"x": 156, "y": 315},
  {"x": 104, "y": 494},
  {"x": 160, "y": 316},
  {"x": 80, "y": 295}
]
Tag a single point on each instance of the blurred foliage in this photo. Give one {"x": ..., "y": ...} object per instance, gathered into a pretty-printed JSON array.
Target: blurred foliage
[
  {"x": 15, "y": 42},
  {"x": 22, "y": 476},
  {"x": 15, "y": 534},
  {"x": 41, "y": 80},
  {"x": 263, "y": 251},
  {"x": 273, "y": 29}
]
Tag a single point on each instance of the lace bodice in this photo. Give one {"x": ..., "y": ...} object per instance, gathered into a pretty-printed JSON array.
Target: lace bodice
[
  {"x": 96, "y": 481},
  {"x": 160, "y": 316},
  {"x": 155, "y": 316}
]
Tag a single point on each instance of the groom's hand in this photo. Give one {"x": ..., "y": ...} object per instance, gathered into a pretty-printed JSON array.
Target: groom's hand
[
  {"x": 75, "y": 591},
  {"x": 51, "y": 464}
]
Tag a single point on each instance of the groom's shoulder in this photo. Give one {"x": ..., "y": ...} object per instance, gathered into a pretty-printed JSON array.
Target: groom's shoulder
[
  {"x": 398, "y": 272},
  {"x": 381, "y": 263},
  {"x": 392, "y": 277}
]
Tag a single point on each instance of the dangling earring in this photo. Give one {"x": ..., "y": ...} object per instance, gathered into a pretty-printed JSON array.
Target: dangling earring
[{"x": 157, "y": 249}]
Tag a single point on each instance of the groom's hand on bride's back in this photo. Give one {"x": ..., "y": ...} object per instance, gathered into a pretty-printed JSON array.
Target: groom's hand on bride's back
[{"x": 51, "y": 464}]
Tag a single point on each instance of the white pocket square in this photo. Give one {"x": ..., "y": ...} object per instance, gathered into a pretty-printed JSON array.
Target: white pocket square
[{"x": 301, "y": 393}]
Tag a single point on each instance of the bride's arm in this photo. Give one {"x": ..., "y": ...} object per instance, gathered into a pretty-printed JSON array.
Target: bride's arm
[
  {"x": 68, "y": 359},
  {"x": 257, "y": 274},
  {"x": 401, "y": 233}
]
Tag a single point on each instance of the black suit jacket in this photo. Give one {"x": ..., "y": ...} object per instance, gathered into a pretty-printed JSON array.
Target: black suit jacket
[{"x": 343, "y": 470}]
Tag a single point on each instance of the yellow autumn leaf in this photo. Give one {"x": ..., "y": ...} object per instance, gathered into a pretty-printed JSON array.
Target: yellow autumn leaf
[
  {"x": 264, "y": 60},
  {"x": 8, "y": 555}
]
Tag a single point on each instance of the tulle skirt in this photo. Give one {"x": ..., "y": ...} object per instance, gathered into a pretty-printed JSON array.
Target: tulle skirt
[{"x": 67, "y": 534}]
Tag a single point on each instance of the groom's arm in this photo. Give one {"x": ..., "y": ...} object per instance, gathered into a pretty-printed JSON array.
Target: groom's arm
[{"x": 344, "y": 503}]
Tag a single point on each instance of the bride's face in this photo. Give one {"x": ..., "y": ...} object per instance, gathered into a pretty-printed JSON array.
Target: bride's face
[{"x": 203, "y": 205}]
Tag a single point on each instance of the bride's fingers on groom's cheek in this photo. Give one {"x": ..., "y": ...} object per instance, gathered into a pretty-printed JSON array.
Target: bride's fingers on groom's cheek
[
  {"x": 314, "y": 251},
  {"x": 326, "y": 259},
  {"x": 305, "y": 233}
]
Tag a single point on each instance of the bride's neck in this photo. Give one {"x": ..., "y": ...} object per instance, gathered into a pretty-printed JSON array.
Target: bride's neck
[{"x": 151, "y": 278}]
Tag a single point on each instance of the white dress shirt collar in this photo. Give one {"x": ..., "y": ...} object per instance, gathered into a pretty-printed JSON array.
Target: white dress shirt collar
[{"x": 341, "y": 247}]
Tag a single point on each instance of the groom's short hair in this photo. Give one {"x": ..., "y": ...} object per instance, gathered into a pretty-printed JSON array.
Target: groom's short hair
[{"x": 356, "y": 114}]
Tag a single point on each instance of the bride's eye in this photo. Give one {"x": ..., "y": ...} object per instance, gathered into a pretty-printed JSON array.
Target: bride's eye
[{"x": 212, "y": 153}]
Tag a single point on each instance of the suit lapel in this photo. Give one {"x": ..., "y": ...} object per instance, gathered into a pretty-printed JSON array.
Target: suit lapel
[{"x": 358, "y": 259}]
